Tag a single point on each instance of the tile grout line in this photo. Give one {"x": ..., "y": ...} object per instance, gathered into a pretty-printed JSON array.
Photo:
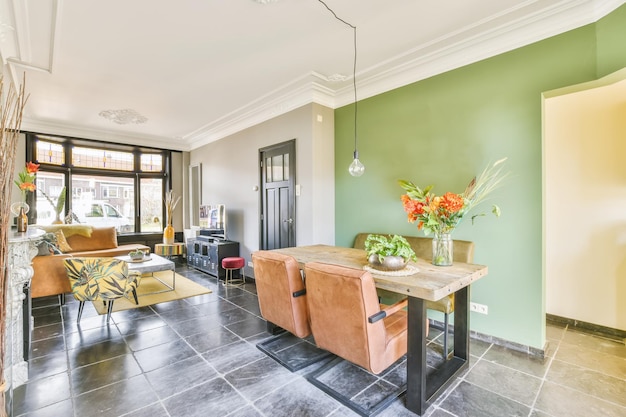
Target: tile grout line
[{"x": 544, "y": 378}]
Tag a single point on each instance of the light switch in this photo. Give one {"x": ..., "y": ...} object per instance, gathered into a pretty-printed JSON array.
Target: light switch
[{"x": 297, "y": 190}]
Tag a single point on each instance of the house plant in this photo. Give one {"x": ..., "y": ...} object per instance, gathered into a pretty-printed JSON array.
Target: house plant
[
  {"x": 25, "y": 182},
  {"x": 388, "y": 253},
  {"x": 58, "y": 206},
  {"x": 439, "y": 215},
  {"x": 136, "y": 255}
]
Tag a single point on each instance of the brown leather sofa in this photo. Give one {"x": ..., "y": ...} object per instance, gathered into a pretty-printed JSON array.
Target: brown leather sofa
[{"x": 50, "y": 277}]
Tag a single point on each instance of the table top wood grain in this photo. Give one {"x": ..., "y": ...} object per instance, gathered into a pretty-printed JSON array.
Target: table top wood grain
[{"x": 429, "y": 283}]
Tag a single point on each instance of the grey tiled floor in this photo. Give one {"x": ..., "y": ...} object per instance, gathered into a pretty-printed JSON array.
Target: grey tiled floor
[{"x": 197, "y": 357}]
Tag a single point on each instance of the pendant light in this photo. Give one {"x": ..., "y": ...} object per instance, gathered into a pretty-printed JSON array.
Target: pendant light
[{"x": 356, "y": 168}]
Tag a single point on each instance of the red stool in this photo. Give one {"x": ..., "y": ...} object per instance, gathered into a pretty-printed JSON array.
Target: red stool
[{"x": 231, "y": 264}]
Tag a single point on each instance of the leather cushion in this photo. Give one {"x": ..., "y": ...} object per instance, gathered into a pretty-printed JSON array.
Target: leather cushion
[
  {"x": 101, "y": 238},
  {"x": 277, "y": 277},
  {"x": 340, "y": 301}
]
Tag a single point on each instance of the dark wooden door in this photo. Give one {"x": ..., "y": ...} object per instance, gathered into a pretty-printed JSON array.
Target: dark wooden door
[{"x": 278, "y": 205}]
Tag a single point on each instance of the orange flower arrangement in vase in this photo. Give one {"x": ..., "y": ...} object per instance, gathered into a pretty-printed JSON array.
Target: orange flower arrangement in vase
[
  {"x": 26, "y": 183},
  {"x": 439, "y": 215}
]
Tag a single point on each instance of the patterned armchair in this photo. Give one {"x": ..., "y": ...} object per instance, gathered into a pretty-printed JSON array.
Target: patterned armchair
[{"x": 105, "y": 279}]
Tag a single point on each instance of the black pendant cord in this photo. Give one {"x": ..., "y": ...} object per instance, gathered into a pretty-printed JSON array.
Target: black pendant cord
[{"x": 353, "y": 73}]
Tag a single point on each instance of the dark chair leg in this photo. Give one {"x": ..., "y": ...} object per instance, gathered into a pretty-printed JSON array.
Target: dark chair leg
[
  {"x": 109, "y": 310},
  {"x": 135, "y": 296},
  {"x": 273, "y": 329},
  {"x": 81, "y": 305}
]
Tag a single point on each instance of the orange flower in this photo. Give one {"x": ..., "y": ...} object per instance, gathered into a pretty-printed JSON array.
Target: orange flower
[
  {"x": 28, "y": 186},
  {"x": 32, "y": 167},
  {"x": 413, "y": 207},
  {"x": 26, "y": 178},
  {"x": 452, "y": 202}
]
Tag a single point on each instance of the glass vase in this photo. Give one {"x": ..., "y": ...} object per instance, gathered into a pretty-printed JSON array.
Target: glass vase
[
  {"x": 168, "y": 234},
  {"x": 17, "y": 206},
  {"x": 57, "y": 219},
  {"x": 442, "y": 249}
]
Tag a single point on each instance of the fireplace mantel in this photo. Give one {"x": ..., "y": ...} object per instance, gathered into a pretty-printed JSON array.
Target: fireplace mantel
[{"x": 22, "y": 249}]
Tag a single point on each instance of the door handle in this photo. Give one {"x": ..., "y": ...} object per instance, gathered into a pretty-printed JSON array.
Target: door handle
[{"x": 290, "y": 221}]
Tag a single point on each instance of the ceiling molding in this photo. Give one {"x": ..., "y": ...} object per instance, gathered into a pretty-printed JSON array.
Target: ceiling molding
[
  {"x": 466, "y": 46},
  {"x": 529, "y": 22},
  {"x": 17, "y": 52},
  {"x": 430, "y": 60},
  {"x": 72, "y": 130},
  {"x": 311, "y": 88}
]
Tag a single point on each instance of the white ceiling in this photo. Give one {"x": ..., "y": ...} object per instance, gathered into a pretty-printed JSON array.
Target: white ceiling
[{"x": 199, "y": 70}]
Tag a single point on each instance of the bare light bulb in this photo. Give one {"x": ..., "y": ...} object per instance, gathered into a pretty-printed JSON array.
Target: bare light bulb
[{"x": 356, "y": 168}]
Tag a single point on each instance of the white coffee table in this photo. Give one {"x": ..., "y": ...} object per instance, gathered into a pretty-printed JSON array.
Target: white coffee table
[{"x": 154, "y": 263}]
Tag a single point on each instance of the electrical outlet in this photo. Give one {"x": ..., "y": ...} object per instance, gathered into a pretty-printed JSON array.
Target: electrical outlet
[
  {"x": 479, "y": 308},
  {"x": 250, "y": 264}
]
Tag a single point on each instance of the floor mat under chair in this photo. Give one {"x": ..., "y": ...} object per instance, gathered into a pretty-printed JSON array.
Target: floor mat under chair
[
  {"x": 291, "y": 351},
  {"x": 363, "y": 392}
]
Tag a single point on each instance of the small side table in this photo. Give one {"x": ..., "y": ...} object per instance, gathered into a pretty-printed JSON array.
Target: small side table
[{"x": 168, "y": 251}]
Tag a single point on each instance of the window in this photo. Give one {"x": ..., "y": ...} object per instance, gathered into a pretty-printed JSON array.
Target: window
[
  {"x": 277, "y": 168},
  {"x": 102, "y": 158},
  {"x": 108, "y": 184},
  {"x": 110, "y": 191},
  {"x": 50, "y": 153},
  {"x": 151, "y": 205},
  {"x": 49, "y": 187},
  {"x": 105, "y": 205},
  {"x": 151, "y": 162}
]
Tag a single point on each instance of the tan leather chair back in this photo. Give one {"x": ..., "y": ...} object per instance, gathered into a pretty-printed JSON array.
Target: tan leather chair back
[
  {"x": 277, "y": 278},
  {"x": 340, "y": 301}
]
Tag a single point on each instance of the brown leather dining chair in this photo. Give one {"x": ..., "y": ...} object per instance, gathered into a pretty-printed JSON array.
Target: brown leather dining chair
[
  {"x": 347, "y": 320},
  {"x": 422, "y": 246},
  {"x": 282, "y": 301}
]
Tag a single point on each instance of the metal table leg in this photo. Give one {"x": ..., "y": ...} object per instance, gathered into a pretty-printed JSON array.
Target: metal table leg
[{"x": 423, "y": 388}]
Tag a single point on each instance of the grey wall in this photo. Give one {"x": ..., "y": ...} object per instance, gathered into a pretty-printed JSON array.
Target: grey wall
[{"x": 230, "y": 171}]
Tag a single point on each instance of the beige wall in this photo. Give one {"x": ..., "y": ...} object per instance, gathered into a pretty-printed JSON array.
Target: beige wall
[
  {"x": 585, "y": 205},
  {"x": 20, "y": 159},
  {"x": 230, "y": 171}
]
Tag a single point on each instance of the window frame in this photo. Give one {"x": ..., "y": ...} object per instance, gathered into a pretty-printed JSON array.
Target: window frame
[{"x": 67, "y": 169}]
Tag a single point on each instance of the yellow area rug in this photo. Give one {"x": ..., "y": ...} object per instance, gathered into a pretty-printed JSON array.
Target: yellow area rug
[{"x": 184, "y": 288}]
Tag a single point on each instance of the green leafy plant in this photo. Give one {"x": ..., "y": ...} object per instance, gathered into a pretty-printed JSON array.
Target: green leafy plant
[
  {"x": 136, "y": 254},
  {"x": 60, "y": 204},
  {"x": 384, "y": 246}
]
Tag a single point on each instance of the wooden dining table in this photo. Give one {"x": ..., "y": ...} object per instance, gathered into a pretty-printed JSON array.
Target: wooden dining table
[{"x": 428, "y": 283}]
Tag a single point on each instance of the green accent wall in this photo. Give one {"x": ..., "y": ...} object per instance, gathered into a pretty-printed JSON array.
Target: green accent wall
[{"x": 446, "y": 129}]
